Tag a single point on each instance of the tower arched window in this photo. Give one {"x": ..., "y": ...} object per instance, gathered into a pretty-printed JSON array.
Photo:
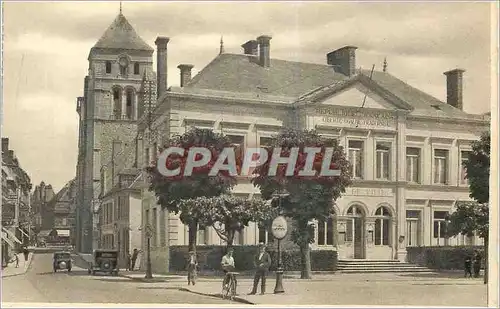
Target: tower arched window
[
  {"x": 117, "y": 103},
  {"x": 130, "y": 95},
  {"x": 136, "y": 68},
  {"x": 108, "y": 67},
  {"x": 382, "y": 227}
]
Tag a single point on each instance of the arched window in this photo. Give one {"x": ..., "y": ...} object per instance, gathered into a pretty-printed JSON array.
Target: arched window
[
  {"x": 353, "y": 225},
  {"x": 117, "y": 103},
  {"x": 108, "y": 67},
  {"x": 129, "y": 108},
  {"x": 136, "y": 68},
  {"x": 382, "y": 227}
]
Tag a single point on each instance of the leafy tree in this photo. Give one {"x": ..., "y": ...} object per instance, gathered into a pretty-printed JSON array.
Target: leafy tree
[
  {"x": 309, "y": 197},
  {"x": 473, "y": 217},
  {"x": 228, "y": 214},
  {"x": 170, "y": 191}
]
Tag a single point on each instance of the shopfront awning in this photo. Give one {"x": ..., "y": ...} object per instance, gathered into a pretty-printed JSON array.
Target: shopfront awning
[
  {"x": 11, "y": 235},
  {"x": 8, "y": 172},
  {"x": 7, "y": 240},
  {"x": 63, "y": 233},
  {"x": 44, "y": 233}
]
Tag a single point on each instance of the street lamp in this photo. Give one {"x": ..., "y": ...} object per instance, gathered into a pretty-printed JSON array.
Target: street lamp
[
  {"x": 149, "y": 234},
  {"x": 279, "y": 229}
]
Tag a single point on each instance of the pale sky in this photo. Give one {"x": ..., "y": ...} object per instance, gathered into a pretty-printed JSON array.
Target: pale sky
[{"x": 46, "y": 47}]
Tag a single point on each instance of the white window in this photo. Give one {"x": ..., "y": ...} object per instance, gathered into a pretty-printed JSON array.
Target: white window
[
  {"x": 412, "y": 228},
  {"x": 264, "y": 236},
  {"x": 413, "y": 165},
  {"x": 325, "y": 232},
  {"x": 64, "y": 221},
  {"x": 382, "y": 227},
  {"x": 383, "y": 150},
  {"x": 464, "y": 157},
  {"x": 202, "y": 237},
  {"x": 356, "y": 158},
  {"x": 439, "y": 232},
  {"x": 440, "y": 166}
]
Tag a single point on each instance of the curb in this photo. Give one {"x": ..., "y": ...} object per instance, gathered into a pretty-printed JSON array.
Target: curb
[
  {"x": 27, "y": 266},
  {"x": 236, "y": 298},
  {"x": 217, "y": 295}
]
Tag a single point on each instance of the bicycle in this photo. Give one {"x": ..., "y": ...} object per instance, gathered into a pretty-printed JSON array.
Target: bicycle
[{"x": 229, "y": 289}]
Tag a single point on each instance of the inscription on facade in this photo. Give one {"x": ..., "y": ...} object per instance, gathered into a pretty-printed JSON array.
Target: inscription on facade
[
  {"x": 346, "y": 117},
  {"x": 369, "y": 192}
]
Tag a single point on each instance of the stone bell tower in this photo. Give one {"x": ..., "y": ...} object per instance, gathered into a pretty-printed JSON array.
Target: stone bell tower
[{"x": 109, "y": 112}]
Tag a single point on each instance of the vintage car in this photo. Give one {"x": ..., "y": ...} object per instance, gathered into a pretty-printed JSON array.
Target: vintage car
[
  {"x": 104, "y": 261},
  {"x": 62, "y": 260}
]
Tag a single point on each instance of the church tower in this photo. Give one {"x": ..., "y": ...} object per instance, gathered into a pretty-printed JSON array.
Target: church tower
[{"x": 109, "y": 112}]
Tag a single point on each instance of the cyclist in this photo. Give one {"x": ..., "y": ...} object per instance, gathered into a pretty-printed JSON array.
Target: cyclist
[{"x": 227, "y": 264}]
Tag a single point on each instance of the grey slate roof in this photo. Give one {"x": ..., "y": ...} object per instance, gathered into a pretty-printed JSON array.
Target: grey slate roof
[
  {"x": 121, "y": 35},
  {"x": 282, "y": 78},
  {"x": 239, "y": 73}
]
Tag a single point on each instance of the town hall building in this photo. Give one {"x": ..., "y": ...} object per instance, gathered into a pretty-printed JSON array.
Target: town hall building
[{"x": 405, "y": 146}]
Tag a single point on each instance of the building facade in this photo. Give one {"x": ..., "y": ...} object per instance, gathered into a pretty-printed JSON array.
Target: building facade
[
  {"x": 17, "y": 223},
  {"x": 42, "y": 214},
  {"x": 108, "y": 113},
  {"x": 405, "y": 146},
  {"x": 120, "y": 215}
]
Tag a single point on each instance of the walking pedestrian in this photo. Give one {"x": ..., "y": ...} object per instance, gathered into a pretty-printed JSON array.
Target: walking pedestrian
[
  {"x": 468, "y": 267},
  {"x": 26, "y": 253},
  {"x": 477, "y": 263},
  {"x": 192, "y": 264},
  {"x": 262, "y": 261},
  {"x": 133, "y": 258}
]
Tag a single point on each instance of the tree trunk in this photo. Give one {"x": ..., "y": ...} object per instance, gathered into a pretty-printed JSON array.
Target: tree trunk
[
  {"x": 230, "y": 238},
  {"x": 486, "y": 262},
  {"x": 305, "y": 256},
  {"x": 192, "y": 233}
]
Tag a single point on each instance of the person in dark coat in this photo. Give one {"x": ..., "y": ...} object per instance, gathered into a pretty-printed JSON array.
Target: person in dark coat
[
  {"x": 133, "y": 258},
  {"x": 26, "y": 253},
  {"x": 192, "y": 264},
  {"x": 262, "y": 263},
  {"x": 477, "y": 263},
  {"x": 468, "y": 267}
]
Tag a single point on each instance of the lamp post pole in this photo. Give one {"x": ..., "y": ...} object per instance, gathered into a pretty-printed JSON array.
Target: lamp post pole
[
  {"x": 279, "y": 229},
  {"x": 149, "y": 272}
]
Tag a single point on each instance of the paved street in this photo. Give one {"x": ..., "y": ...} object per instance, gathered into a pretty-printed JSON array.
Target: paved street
[
  {"x": 383, "y": 289},
  {"x": 41, "y": 285}
]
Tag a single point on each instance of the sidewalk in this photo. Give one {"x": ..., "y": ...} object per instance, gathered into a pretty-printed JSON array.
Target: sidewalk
[
  {"x": 11, "y": 269},
  {"x": 340, "y": 289}
]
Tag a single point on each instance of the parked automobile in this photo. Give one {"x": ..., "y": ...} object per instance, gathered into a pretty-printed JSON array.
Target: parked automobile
[
  {"x": 62, "y": 260},
  {"x": 104, "y": 261}
]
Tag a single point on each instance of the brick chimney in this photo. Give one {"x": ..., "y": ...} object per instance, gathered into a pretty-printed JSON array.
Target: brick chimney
[
  {"x": 343, "y": 60},
  {"x": 161, "y": 64},
  {"x": 5, "y": 145},
  {"x": 264, "y": 50},
  {"x": 185, "y": 73},
  {"x": 454, "y": 88},
  {"x": 251, "y": 48}
]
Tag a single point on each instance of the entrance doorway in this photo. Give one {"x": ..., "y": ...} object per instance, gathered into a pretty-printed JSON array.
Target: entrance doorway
[{"x": 356, "y": 232}]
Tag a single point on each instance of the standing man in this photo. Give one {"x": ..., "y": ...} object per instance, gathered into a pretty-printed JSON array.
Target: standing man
[
  {"x": 133, "y": 258},
  {"x": 262, "y": 263},
  {"x": 468, "y": 267}
]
